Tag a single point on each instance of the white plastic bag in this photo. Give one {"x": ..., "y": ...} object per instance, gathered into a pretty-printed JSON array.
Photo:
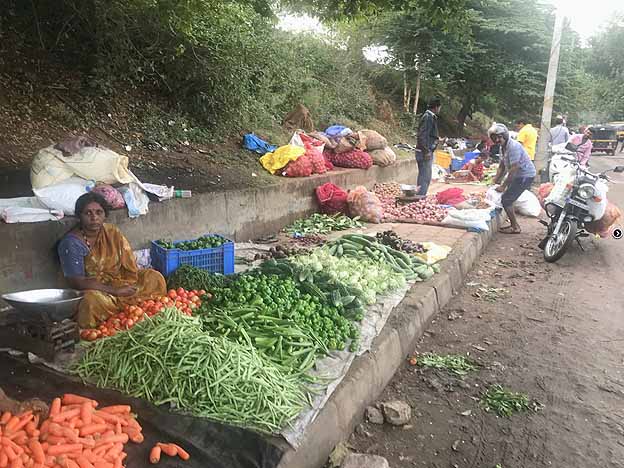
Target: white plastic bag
[
  {"x": 50, "y": 167},
  {"x": 16, "y": 214},
  {"x": 597, "y": 208},
  {"x": 438, "y": 172},
  {"x": 494, "y": 197},
  {"x": 527, "y": 204},
  {"x": 136, "y": 200},
  {"x": 63, "y": 196},
  {"x": 469, "y": 219}
]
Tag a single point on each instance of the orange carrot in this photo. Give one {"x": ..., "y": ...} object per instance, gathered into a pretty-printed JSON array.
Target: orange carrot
[
  {"x": 86, "y": 413},
  {"x": 116, "y": 409},
  {"x": 169, "y": 449},
  {"x": 136, "y": 437},
  {"x": 112, "y": 439},
  {"x": 63, "y": 448},
  {"x": 183, "y": 454},
  {"x": 102, "y": 449},
  {"x": 155, "y": 454},
  {"x": 69, "y": 463},
  {"x": 92, "y": 429},
  {"x": 24, "y": 419},
  {"x": 118, "y": 428},
  {"x": 31, "y": 427},
  {"x": 4, "y": 460},
  {"x": 15, "y": 435},
  {"x": 71, "y": 399},
  {"x": 66, "y": 415},
  {"x": 56, "y": 440},
  {"x": 83, "y": 462},
  {"x": 102, "y": 464},
  {"x": 16, "y": 463},
  {"x": 10, "y": 453},
  {"x": 103, "y": 417},
  {"x": 55, "y": 407},
  {"x": 13, "y": 422},
  {"x": 37, "y": 451},
  {"x": 21, "y": 439},
  {"x": 6, "y": 417},
  {"x": 45, "y": 426}
]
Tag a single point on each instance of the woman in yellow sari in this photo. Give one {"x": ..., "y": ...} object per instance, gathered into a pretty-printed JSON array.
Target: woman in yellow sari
[{"x": 96, "y": 258}]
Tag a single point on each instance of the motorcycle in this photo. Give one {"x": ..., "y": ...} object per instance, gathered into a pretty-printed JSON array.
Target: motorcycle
[{"x": 572, "y": 206}]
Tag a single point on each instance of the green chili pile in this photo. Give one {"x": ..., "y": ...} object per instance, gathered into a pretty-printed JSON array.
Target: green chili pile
[{"x": 169, "y": 359}]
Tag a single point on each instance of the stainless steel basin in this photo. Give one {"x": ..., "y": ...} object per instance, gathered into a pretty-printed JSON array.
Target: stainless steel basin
[{"x": 52, "y": 304}]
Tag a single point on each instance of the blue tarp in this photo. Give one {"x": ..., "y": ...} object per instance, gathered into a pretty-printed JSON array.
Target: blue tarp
[{"x": 257, "y": 145}]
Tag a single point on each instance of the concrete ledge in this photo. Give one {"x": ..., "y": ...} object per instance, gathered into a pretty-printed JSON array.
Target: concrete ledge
[
  {"x": 27, "y": 251},
  {"x": 371, "y": 372}
]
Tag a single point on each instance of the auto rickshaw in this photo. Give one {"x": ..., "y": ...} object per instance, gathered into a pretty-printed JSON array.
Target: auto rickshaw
[
  {"x": 620, "y": 130},
  {"x": 604, "y": 139}
]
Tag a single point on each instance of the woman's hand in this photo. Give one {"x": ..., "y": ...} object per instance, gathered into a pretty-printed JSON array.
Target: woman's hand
[{"x": 125, "y": 291}]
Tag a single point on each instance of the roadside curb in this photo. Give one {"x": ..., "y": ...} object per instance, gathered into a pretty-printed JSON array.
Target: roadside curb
[{"x": 370, "y": 373}]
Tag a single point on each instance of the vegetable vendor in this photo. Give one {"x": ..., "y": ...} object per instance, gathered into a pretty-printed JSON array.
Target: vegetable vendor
[
  {"x": 96, "y": 258},
  {"x": 519, "y": 171}
]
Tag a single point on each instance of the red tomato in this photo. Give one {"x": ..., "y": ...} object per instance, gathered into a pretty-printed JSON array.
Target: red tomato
[
  {"x": 201, "y": 292},
  {"x": 195, "y": 299},
  {"x": 172, "y": 294}
]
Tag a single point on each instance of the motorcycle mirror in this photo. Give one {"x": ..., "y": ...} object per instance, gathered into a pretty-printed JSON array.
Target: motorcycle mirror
[{"x": 618, "y": 169}]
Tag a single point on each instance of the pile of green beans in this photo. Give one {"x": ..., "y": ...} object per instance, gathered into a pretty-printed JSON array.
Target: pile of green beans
[{"x": 169, "y": 359}]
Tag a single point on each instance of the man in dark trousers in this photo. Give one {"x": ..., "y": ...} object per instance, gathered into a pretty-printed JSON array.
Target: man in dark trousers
[{"x": 426, "y": 144}]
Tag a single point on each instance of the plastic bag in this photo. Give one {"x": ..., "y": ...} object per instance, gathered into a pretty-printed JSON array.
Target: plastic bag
[
  {"x": 438, "y": 172},
  {"x": 365, "y": 204},
  {"x": 374, "y": 141},
  {"x": 50, "y": 167},
  {"x": 383, "y": 157},
  {"x": 257, "y": 144},
  {"x": 276, "y": 160},
  {"x": 602, "y": 227},
  {"x": 494, "y": 196},
  {"x": 337, "y": 131},
  {"x": 434, "y": 253},
  {"x": 332, "y": 199},
  {"x": 598, "y": 204},
  {"x": 111, "y": 195},
  {"x": 469, "y": 219},
  {"x": 353, "y": 159},
  {"x": 63, "y": 196},
  {"x": 302, "y": 167},
  {"x": 451, "y": 196},
  {"x": 527, "y": 204},
  {"x": 136, "y": 199},
  {"x": 543, "y": 192}
]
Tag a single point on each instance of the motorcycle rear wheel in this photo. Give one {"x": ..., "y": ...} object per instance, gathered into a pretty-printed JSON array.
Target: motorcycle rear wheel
[{"x": 556, "y": 246}]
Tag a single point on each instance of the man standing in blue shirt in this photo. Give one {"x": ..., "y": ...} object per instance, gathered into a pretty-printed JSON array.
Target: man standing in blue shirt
[
  {"x": 520, "y": 172},
  {"x": 426, "y": 144}
]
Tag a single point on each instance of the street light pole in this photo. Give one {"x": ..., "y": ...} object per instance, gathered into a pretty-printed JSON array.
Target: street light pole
[{"x": 549, "y": 95}]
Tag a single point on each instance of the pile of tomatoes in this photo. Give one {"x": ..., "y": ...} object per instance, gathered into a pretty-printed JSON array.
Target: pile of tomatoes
[{"x": 183, "y": 300}]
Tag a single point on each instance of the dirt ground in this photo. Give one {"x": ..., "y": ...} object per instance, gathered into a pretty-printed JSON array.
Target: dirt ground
[{"x": 556, "y": 334}]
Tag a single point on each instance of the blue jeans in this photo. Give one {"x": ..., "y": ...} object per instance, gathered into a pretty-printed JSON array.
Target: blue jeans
[{"x": 424, "y": 172}]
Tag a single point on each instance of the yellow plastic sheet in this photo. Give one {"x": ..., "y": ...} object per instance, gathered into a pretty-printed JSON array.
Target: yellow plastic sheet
[
  {"x": 273, "y": 162},
  {"x": 435, "y": 253}
]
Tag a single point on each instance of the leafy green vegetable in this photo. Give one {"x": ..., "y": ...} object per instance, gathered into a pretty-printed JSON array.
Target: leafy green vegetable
[
  {"x": 505, "y": 402},
  {"x": 204, "y": 242},
  {"x": 456, "y": 364},
  {"x": 190, "y": 278},
  {"x": 322, "y": 224}
]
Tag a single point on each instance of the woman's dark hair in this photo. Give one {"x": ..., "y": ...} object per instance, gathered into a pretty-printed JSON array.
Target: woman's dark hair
[{"x": 91, "y": 197}]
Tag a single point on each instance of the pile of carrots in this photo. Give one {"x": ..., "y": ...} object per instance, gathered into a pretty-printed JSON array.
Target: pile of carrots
[{"x": 76, "y": 434}]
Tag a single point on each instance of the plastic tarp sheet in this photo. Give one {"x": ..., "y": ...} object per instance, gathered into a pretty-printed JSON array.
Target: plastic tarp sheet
[{"x": 209, "y": 444}]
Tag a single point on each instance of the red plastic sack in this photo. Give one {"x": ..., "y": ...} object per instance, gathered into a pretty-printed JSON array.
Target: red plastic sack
[
  {"x": 111, "y": 195},
  {"x": 353, "y": 159},
  {"x": 543, "y": 192},
  {"x": 452, "y": 196},
  {"x": 332, "y": 199},
  {"x": 318, "y": 161},
  {"x": 302, "y": 167}
]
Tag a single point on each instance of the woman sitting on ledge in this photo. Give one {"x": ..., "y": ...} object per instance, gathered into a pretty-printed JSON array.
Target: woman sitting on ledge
[{"x": 96, "y": 258}]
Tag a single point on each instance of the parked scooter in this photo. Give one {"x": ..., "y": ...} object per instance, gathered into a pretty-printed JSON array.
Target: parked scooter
[{"x": 572, "y": 204}]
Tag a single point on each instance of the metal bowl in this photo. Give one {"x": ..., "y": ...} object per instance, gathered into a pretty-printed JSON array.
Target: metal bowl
[
  {"x": 409, "y": 190},
  {"x": 53, "y": 304}
]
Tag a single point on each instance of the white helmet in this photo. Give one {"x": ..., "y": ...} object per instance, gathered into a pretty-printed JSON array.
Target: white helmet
[{"x": 499, "y": 129}]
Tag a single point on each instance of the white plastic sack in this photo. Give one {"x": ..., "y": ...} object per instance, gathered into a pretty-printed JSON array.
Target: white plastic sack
[
  {"x": 50, "y": 167},
  {"x": 63, "y": 196},
  {"x": 136, "y": 200},
  {"x": 469, "y": 219},
  {"x": 18, "y": 214},
  {"x": 598, "y": 208},
  {"x": 528, "y": 204},
  {"x": 438, "y": 172}
]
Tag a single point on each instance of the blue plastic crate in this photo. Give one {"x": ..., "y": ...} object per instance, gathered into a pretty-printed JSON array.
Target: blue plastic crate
[
  {"x": 456, "y": 164},
  {"x": 470, "y": 156},
  {"x": 216, "y": 260}
]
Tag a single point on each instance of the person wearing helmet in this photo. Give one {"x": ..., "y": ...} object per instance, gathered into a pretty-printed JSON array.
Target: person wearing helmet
[
  {"x": 426, "y": 144},
  {"x": 517, "y": 170}
]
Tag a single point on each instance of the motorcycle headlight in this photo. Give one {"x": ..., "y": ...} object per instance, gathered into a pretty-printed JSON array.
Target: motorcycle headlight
[{"x": 586, "y": 191}]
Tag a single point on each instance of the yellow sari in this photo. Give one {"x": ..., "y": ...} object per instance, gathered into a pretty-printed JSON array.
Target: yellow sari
[{"x": 111, "y": 262}]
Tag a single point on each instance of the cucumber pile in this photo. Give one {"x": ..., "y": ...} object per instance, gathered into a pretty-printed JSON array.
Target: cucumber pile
[{"x": 367, "y": 247}]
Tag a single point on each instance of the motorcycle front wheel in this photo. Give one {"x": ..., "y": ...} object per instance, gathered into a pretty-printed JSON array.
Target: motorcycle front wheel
[{"x": 557, "y": 244}]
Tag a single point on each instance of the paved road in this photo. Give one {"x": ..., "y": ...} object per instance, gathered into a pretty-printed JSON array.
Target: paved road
[{"x": 556, "y": 333}]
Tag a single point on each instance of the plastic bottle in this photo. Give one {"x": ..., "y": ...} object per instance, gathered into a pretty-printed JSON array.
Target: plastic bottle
[{"x": 182, "y": 193}]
